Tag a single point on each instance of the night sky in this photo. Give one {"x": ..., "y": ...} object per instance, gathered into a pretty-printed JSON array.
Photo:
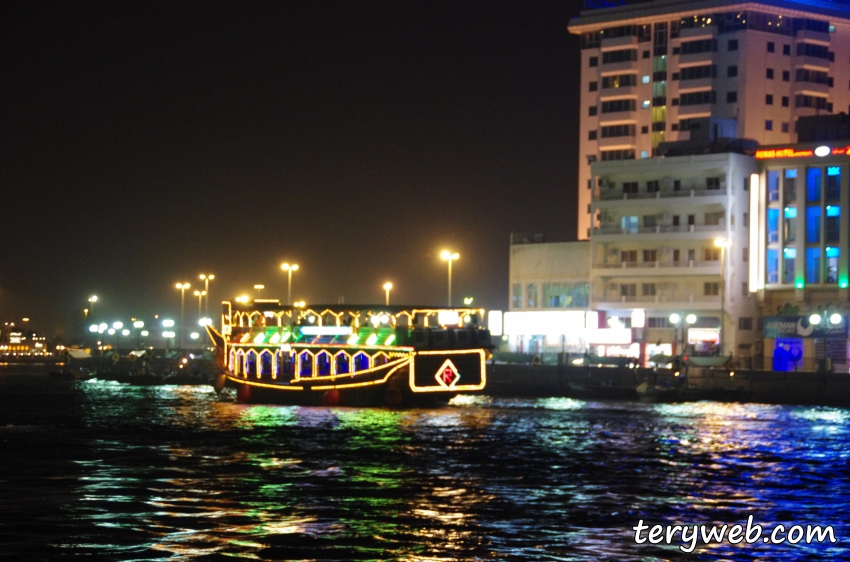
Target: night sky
[{"x": 144, "y": 143}]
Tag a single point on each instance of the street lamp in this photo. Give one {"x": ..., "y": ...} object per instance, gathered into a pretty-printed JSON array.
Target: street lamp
[
  {"x": 387, "y": 287},
  {"x": 200, "y": 295},
  {"x": 289, "y": 269},
  {"x": 92, "y": 300},
  {"x": 259, "y": 288},
  {"x": 722, "y": 243},
  {"x": 206, "y": 279},
  {"x": 182, "y": 287},
  {"x": 676, "y": 320},
  {"x": 449, "y": 257}
]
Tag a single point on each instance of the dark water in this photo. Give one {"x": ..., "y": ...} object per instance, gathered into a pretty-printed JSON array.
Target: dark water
[{"x": 114, "y": 472}]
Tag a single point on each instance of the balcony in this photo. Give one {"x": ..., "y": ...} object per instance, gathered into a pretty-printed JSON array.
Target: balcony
[
  {"x": 809, "y": 88},
  {"x": 696, "y": 110},
  {"x": 627, "y": 141},
  {"x": 706, "y": 57},
  {"x": 658, "y": 268},
  {"x": 691, "y": 33},
  {"x": 609, "y": 43},
  {"x": 695, "y": 84},
  {"x": 813, "y": 36},
  {"x": 618, "y": 92},
  {"x": 666, "y": 300},
  {"x": 812, "y": 62},
  {"x": 612, "y": 67},
  {"x": 617, "y": 194},
  {"x": 618, "y": 117},
  {"x": 686, "y": 232}
]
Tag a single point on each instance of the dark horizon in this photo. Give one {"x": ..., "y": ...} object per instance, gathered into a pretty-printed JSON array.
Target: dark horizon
[{"x": 146, "y": 144}]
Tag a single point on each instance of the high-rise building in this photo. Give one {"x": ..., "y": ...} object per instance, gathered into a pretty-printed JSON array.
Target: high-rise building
[{"x": 651, "y": 72}]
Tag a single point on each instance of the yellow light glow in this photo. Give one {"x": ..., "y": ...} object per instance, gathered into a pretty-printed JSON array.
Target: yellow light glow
[{"x": 372, "y": 339}]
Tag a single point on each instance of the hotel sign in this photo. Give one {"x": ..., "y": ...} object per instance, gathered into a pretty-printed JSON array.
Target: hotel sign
[
  {"x": 800, "y": 327},
  {"x": 772, "y": 153}
]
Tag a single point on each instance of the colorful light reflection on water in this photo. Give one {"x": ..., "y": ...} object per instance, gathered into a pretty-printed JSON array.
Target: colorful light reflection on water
[{"x": 128, "y": 473}]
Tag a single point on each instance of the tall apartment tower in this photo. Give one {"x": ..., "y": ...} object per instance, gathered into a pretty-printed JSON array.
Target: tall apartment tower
[{"x": 651, "y": 71}]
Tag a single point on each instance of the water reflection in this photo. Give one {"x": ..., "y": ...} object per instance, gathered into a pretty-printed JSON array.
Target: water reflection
[{"x": 131, "y": 473}]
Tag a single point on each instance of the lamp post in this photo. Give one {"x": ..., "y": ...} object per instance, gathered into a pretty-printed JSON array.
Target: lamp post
[
  {"x": 259, "y": 288},
  {"x": 722, "y": 243},
  {"x": 387, "y": 287},
  {"x": 676, "y": 320},
  {"x": 450, "y": 257},
  {"x": 200, "y": 295},
  {"x": 206, "y": 279},
  {"x": 92, "y": 300},
  {"x": 138, "y": 325},
  {"x": 289, "y": 269},
  {"x": 182, "y": 287},
  {"x": 116, "y": 326},
  {"x": 167, "y": 334}
]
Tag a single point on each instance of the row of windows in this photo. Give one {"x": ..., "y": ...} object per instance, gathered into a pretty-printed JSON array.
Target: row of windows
[
  {"x": 305, "y": 364},
  {"x": 821, "y": 265},
  {"x": 629, "y": 224},
  {"x": 652, "y": 186},
  {"x": 710, "y": 288},
  {"x": 651, "y": 256},
  {"x": 554, "y": 295},
  {"x": 725, "y": 22},
  {"x": 710, "y": 71}
]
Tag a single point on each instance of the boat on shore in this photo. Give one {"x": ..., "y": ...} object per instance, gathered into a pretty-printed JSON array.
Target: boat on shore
[{"x": 353, "y": 355}]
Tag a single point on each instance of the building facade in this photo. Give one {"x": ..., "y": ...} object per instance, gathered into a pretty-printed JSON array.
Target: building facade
[
  {"x": 669, "y": 253},
  {"x": 549, "y": 300},
  {"x": 650, "y": 72},
  {"x": 799, "y": 252}
]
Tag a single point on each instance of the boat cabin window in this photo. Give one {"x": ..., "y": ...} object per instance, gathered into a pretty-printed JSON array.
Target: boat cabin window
[
  {"x": 251, "y": 363},
  {"x": 305, "y": 364},
  {"x": 361, "y": 362},
  {"x": 323, "y": 363},
  {"x": 284, "y": 364},
  {"x": 343, "y": 364},
  {"x": 266, "y": 363}
]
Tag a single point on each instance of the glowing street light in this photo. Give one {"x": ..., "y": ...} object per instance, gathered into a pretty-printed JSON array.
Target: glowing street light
[
  {"x": 259, "y": 288},
  {"x": 289, "y": 269},
  {"x": 449, "y": 257},
  {"x": 387, "y": 287},
  {"x": 206, "y": 279},
  {"x": 167, "y": 323},
  {"x": 242, "y": 298},
  {"x": 200, "y": 295},
  {"x": 92, "y": 300},
  {"x": 182, "y": 287}
]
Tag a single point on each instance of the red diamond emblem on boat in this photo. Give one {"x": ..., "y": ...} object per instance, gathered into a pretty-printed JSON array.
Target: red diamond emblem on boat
[{"x": 447, "y": 375}]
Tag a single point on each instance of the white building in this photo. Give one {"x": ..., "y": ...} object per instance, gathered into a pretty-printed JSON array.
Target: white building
[
  {"x": 549, "y": 301},
  {"x": 648, "y": 70},
  {"x": 655, "y": 253}
]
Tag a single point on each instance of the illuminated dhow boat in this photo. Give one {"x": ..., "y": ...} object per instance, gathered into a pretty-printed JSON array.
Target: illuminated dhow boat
[{"x": 350, "y": 355}]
